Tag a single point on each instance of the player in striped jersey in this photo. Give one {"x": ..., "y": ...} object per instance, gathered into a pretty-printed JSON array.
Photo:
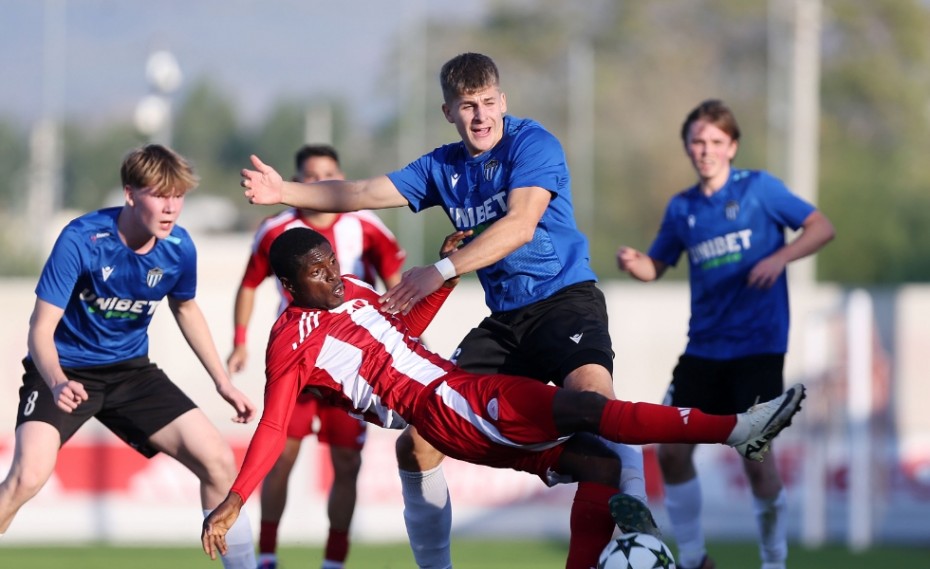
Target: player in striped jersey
[
  {"x": 506, "y": 181},
  {"x": 367, "y": 248},
  {"x": 336, "y": 341}
]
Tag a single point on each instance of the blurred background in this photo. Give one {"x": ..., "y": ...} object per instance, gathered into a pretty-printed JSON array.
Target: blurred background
[{"x": 833, "y": 96}]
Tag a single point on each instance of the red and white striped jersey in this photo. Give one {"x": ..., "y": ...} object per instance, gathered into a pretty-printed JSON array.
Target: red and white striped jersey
[
  {"x": 353, "y": 356},
  {"x": 363, "y": 245}
]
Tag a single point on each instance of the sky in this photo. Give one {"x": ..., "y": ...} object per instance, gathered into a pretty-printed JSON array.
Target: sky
[{"x": 85, "y": 59}]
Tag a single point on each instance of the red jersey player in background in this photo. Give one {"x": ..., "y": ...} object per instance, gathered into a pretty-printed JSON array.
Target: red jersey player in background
[
  {"x": 366, "y": 247},
  {"x": 334, "y": 340}
]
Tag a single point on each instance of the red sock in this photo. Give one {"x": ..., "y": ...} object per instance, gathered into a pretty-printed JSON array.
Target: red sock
[
  {"x": 643, "y": 423},
  {"x": 337, "y": 545},
  {"x": 267, "y": 537},
  {"x": 591, "y": 525}
]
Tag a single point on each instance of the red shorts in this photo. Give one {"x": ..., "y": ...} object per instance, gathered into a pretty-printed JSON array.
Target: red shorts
[
  {"x": 331, "y": 425},
  {"x": 496, "y": 420}
]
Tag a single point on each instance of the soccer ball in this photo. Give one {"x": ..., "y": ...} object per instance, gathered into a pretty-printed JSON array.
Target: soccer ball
[{"x": 636, "y": 551}]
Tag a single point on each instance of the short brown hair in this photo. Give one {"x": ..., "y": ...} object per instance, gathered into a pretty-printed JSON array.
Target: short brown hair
[
  {"x": 163, "y": 170},
  {"x": 466, "y": 74},
  {"x": 716, "y": 113},
  {"x": 308, "y": 151}
]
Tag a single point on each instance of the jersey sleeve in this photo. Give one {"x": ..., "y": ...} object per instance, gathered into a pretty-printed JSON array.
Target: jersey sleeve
[
  {"x": 424, "y": 311},
  {"x": 282, "y": 385},
  {"x": 61, "y": 270},
  {"x": 784, "y": 207},
  {"x": 668, "y": 246},
  {"x": 380, "y": 248},
  {"x": 186, "y": 287},
  {"x": 259, "y": 267},
  {"x": 414, "y": 182},
  {"x": 538, "y": 160}
]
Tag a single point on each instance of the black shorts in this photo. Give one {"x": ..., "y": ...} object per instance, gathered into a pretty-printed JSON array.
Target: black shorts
[
  {"x": 724, "y": 387},
  {"x": 545, "y": 340},
  {"x": 134, "y": 399}
]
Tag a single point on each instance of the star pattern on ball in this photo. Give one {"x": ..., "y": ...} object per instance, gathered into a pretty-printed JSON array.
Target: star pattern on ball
[
  {"x": 626, "y": 544},
  {"x": 663, "y": 561}
]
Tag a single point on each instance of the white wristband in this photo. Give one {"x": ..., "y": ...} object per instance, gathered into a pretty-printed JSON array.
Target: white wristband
[{"x": 446, "y": 268}]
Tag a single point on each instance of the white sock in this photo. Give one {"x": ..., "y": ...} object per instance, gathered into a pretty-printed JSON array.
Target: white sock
[
  {"x": 327, "y": 564},
  {"x": 772, "y": 518},
  {"x": 240, "y": 550},
  {"x": 683, "y": 502},
  {"x": 428, "y": 517},
  {"x": 740, "y": 431},
  {"x": 632, "y": 475}
]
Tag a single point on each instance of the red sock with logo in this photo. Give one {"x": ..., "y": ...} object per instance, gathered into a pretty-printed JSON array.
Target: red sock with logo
[{"x": 643, "y": 423}]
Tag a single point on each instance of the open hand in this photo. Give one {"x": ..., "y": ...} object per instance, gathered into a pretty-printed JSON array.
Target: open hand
[{"x": 263, "y": 186}]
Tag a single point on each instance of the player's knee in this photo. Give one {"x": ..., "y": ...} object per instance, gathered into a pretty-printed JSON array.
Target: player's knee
[
  {"x": 414, "y": 454},
  {"x": 763, "y": 477},
  {"x": 577, "y": 411},
  {"x": 587, "y": 459},
  {"x": 404, "y": 450},
  {"x": 347, "y": 463},
  {"x": 219, "y": 467},
  {"x": 25, "y": 482}
]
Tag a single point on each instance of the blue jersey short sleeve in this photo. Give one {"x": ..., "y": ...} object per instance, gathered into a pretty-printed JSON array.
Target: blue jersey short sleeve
[
  {"x": 473, "y": 192},
  {"x": 725, "y": 235},
  {"x": 108, "y": 292}
]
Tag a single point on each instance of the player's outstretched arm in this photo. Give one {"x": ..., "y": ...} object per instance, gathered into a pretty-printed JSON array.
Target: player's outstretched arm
[
  {"x": 194, "y": 327},
  {"x": 217, "y": 524},
  {"x": 265, "y": 186}
]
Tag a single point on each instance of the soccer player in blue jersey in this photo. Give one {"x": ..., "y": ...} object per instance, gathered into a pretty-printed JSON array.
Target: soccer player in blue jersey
[
  {"x": 506, "y": 182},
  {"x": 88, "y": 343},
  {"x": 731, "y": 224}
]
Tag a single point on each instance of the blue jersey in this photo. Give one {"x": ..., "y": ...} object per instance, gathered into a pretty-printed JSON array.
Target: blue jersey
[
  {"x": 725, "y": 235},
  {"x": 108, "y": 292},
  {"x": 473, "y": 191}
]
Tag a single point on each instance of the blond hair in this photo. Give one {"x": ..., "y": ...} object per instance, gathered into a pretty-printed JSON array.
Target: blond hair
[{"x": 161, "y": 169}]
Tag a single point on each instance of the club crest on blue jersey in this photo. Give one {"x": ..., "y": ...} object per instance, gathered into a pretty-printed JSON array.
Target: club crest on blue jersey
[
  {"x": 490, "y": 169},
  {"x": 154, "y": 277},
  {"x": 731, "y": 210}
]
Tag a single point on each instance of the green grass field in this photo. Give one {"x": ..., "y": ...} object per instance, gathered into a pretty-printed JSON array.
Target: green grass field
[{"x": 467, "y": 554}]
